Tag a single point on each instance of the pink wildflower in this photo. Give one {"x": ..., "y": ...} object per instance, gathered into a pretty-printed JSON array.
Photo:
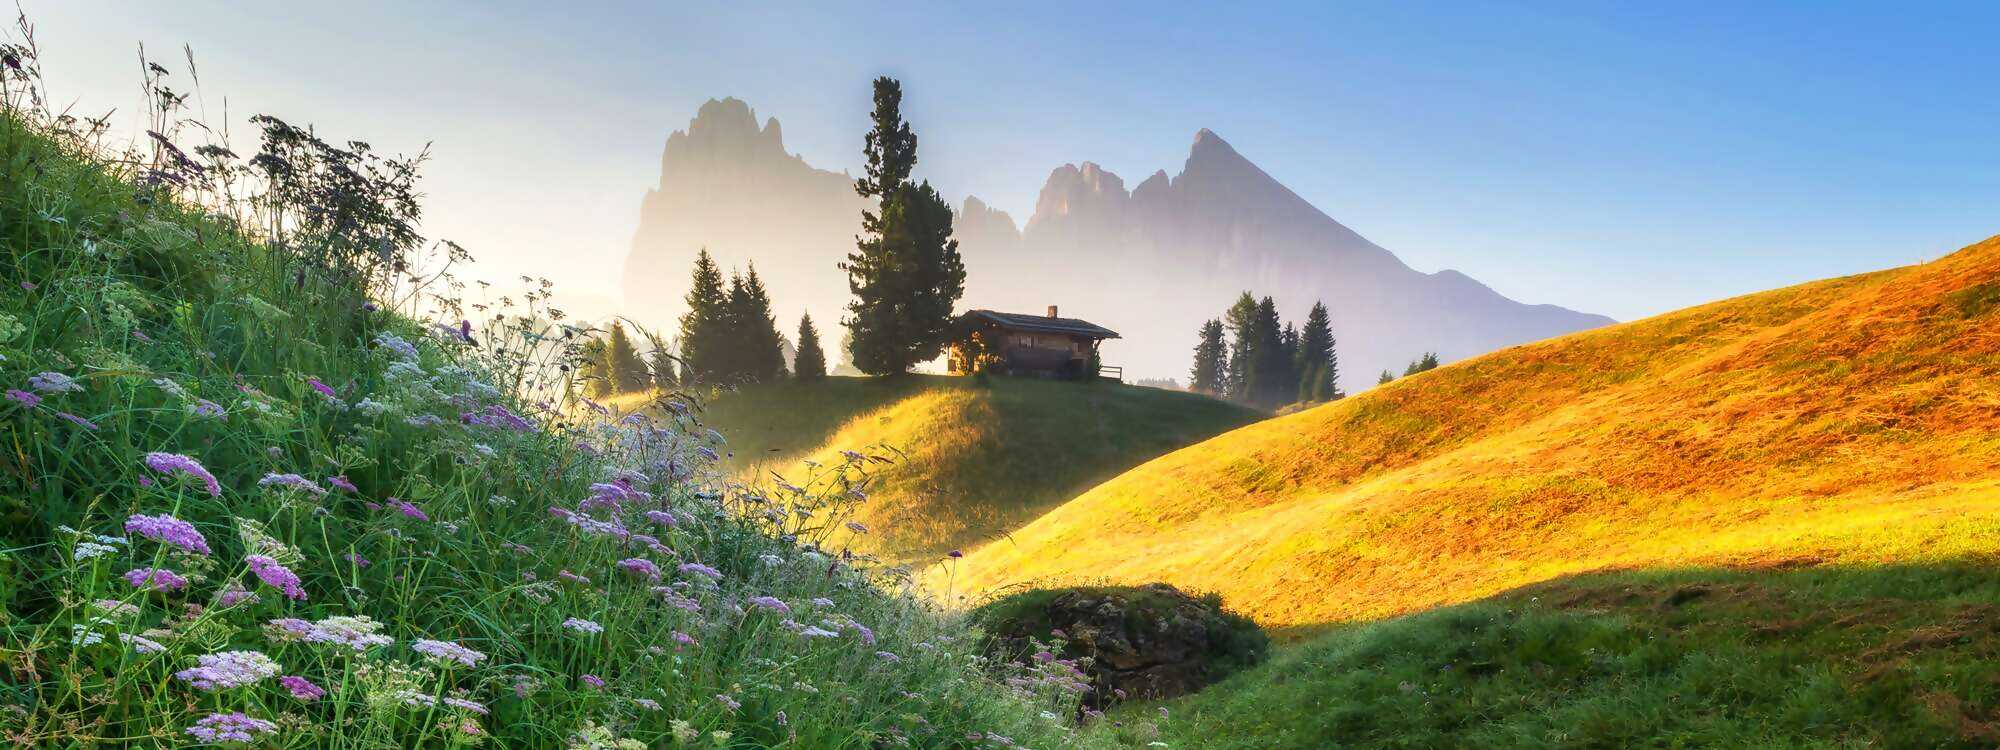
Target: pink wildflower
[
  {"x": 236, "y": 726},
  {"x": 23, "y": 398},
  {"x": 168, "y": 530},
  {"x": 175, "y": 463},
  {"x": 302, "y": 688},
  {"x": 156, "y": 579},
  {"x": 276, "y": 576}
]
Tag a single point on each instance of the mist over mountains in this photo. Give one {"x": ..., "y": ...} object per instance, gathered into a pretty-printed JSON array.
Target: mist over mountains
[{"x": 1151, "y": 262}]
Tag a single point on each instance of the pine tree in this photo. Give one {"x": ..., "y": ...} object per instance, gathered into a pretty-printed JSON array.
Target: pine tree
[
  {"x": 1271, "y": 382},
  {"x": 1211, "y": 368},
  {"x": 624, "y": 371},
  {"x": 810, "y": 362},
  {"x": 1385, "y": 378},
  {"x": 1318, "y": 365},
  {"x": 906, "y": 273},
  {"x": 705, "y": 326},
  {"x": 1423, "y": 364},
  {"x": 755, "y": 351},
  {"x": 594, "y": 371},
  {"x": 1238, "y": 320}
]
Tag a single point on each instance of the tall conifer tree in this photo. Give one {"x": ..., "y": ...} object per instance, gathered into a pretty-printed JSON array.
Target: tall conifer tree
[
  {"x": 906, "y": 273},
  {"x": 809, "y": 362},
  {"x": 1318, "y": 365},
  {"x": 1210, "y": 373},
  {"x": 1239, "y": 319},
  {"x": 705, "y": 326}
]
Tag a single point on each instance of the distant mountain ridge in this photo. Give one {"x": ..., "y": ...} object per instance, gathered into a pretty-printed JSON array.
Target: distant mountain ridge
[{"x": 1151, "y": 262}]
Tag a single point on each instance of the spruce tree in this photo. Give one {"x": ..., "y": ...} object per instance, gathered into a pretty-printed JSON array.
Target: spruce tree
[
  {"x": 705, "y": 326},
  {"x": 906, "y": 273},
  {"x": 594, "y": 371},
  {"x": 1271, "y": 383},
  {"x": 1238, "y": 320},
  {"x": 624, "y": 370},
  {"x": 1318, "y": 365},
  {"x": 809, "y": 363},
  {"x": 756, "y": 351},
  {"x": 1385, "y": 378},
  {"x": 1211, "y": 366}
]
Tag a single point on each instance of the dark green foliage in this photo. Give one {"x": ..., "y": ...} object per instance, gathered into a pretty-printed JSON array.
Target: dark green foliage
[
  {"x": 1425, "y": 363},
  {"x": 1270, "y": 382},
  {"x": 1211, "y": 367},
  {"x": 625, "y": 371},
  {"x": 594, "y": 369},
  {"x": 1238, "y": 319},
  {"x": 1865, "y": 656},
  {"x": 809, "y": 363},
  {"x": 905, "y": 273},
  {"x": 754, "y": 352},
  {"x": 1384, "y": 378},
  {"x": 1190, "y": 641},
  {"x": 705, "y": 326},
  {"x": 1318, "y": 365}
]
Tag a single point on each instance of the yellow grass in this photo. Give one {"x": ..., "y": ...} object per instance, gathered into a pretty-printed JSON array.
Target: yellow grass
[
  {"x": 1852, "y": 419},
  {"x": 972, "y": 461}
]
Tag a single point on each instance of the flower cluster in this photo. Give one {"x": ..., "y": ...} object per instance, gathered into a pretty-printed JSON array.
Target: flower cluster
[
  {"x": 175, "y": 463},
  {"x": 155, "y": 579},
  {"x": 291, "y": 480},
  {"x": 168, "y": 530},
  {"x": 229, "y": 669},
  {"x": 276, "y": 576},
  {"x": 236, "y": 726},
  {"x": 446, "y": 652}
]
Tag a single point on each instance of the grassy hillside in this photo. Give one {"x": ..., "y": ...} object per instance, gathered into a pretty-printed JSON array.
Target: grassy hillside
[
  {"x": 1838, "y": 656},
  {"x": 972, "y": 460},
  {"x": 248, "y": 500},
  {"x": 1848, "y": 420}
]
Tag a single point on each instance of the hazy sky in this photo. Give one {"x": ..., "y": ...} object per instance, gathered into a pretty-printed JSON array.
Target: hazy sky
[{"x": 1601, "y": 156}]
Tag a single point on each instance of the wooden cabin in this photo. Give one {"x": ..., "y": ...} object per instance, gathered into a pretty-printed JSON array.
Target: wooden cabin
[{"x": 1045, "y": 346}]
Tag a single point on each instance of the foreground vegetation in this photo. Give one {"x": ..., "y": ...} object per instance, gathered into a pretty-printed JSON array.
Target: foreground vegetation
[
  {"x": 1876, "y": 656},
  {"x": 972, "y": 460},
  {"x": 251, "y": 497}
]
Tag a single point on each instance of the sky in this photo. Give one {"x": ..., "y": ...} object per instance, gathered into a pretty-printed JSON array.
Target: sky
[{"x": 1607, "y": 157}]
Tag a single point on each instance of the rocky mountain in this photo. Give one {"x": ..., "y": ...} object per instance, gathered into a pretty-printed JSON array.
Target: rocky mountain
[{"x": 1151, "y": 262}]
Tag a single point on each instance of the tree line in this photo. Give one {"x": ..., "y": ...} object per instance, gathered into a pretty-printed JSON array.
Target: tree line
[
  {"x": 1252, "y": 357},
  {"x": 905, "y": 274}
]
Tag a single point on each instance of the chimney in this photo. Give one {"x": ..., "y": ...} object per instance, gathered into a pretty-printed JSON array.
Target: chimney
[{"x": 1052, "y": 311}]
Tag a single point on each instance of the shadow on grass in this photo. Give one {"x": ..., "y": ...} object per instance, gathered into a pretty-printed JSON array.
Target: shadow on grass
[{"x": 1904, "y": 655}]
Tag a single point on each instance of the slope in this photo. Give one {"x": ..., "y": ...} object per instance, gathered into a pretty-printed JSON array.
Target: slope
[
  {"x": 1851, "y": 419},
  {"x": 971, "y": 461}
]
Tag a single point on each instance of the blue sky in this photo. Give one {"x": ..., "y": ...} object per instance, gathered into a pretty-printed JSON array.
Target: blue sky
[{"x": 1613, "y": 158}]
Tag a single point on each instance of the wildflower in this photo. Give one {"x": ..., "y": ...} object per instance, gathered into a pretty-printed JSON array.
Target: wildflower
[
  {"x": 235, "y": 726},
  {"x": 409, "y": 509},
  {"x": 954, "y": 554},
  {"x": 88, "y": 550},
  {"x": 229, "y": 669},
  {"x": 396, "y": 345},
  {"x": 684, "y": 639},
  {"x": 291, "y": 480},
  {"x": 728, "y": 703},
  {"x": 646, "y": 703},
  {"x": 572, "y": 577},
  {"x": 640, "y": 567},
  {"x": 168, "y": 530},
  {"x": 288, "y": 629},
  {"x": 815, "y": 631},
  {"x": 771, "y": 560},
  {"x": 888, "y": 657},
  {"x": 356, "y": 632},
  {"x": 324, "y": 389},
  {"x": 446, "y": 652},
  {"x": 233, "y": 594},
  {"x": 78, "y": 421},
  {"x": 276, "y": 576},
  {"x": 684, "y": 732},
  {"x": 114, "y": 609},
  {"x": 582, "y": 626},
  {"x": 592, "y": 680},
  {"x": 141, "y": 644},
  {"x": 82, "y": 635},
  {"x": 54, "y": 382},
  {"x": 464, "y": 705},
  {"x": 821, "y": 601},
  {"x": 209, "y": 409},
  {"x": 302, "y": 688},
  {"x": 662, "y": 518},
  {"x": 341, "y": 483},
  {"x": 23, "y": 398},
  {"x": 157, "y": 579},
  {"x": 175, "y": 463},
  {"x": 856, "y": 527},
  {"x": 357, "y": 560},
  {"x": 771, "y": 603},
  {"x": 423, "y": 420},
  {"x": 701, "y": 570}
]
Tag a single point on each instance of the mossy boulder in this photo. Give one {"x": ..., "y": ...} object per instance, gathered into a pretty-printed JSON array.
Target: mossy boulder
[{"x": 1133, "y": 642}]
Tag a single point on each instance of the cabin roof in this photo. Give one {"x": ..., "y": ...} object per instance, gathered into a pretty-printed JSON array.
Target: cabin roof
[{"x": 1041, "y": 323}]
